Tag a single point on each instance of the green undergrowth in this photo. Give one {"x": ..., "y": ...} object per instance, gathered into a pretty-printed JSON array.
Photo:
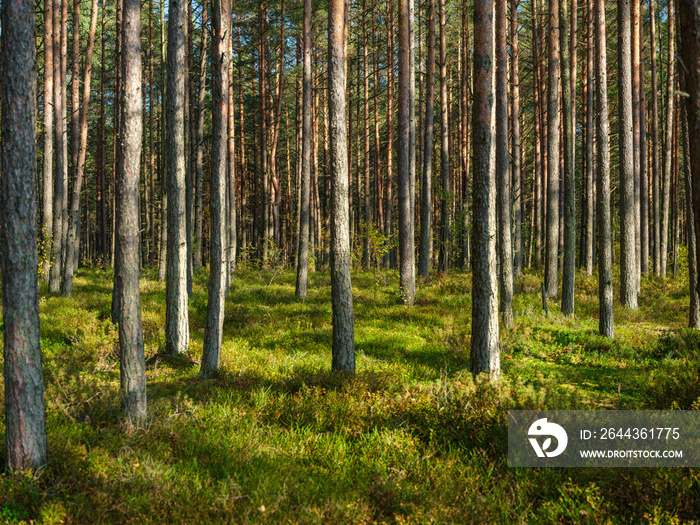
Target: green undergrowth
[{"x": 277, "y": 438}]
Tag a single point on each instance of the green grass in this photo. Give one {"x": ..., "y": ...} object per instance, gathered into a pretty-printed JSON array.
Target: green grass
[{"x": 278, "y": 438}]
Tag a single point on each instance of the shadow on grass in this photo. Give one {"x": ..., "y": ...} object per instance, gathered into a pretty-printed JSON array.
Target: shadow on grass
[{"x": 391, "y": 350}]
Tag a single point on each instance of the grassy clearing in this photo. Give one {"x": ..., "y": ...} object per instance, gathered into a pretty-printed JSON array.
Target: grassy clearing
[{"x": 412, "y": 439}]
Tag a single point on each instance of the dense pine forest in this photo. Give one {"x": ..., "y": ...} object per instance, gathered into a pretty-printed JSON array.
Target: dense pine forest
[{"x": 295, "y": 261}]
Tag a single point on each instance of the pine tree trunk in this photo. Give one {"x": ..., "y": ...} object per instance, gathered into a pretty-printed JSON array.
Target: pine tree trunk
[
  {"x": 164, "y": 217},
  {"x": 304, "y": 209},
  {"x": 341, "y": 287},
  {"x": 503, "y": 168},
  {"x": 426, "y": 186},
  {"x": 379, "y": 205},
  {"x": 518, "y": 185},
  {"x": 694, "y": 310},
  {"x": 244, "y": 169},
  {"x": 79, "y": 154},
  {"x": 60, "y": 175},
  {"x": 262, "y": 101},
  {"x": 641, "y": 246},
  {"x": 365, "y": 100},
  {"x": 665, "y": 218},
  {"x": 25, "y": 418},
  {"x": 655, "y": 169},
  {"x": 407, "y": 278},
  {"x": 232, "y": 226},
  {"x": 389, "y": 258},
  {"x": 412, "y": 143},
  {"x": 220, "y": 54},
  {"x": 636, "y": 150},
  {"x": 199, "y": 147},
  {"x": 539, "y": 134},
  {"x": 674, "y": 192},
  {"x": 605, "y": 289},
  {"x": 69, "y": 251},
  {"x": 276, "y": 127},
  {"x": 132, "y": 364},
  {"x": 445, "y": 194},
  {"x": 47, "y": 172},
  {"x": 64, "y": 140},
  {"x": 689, "y": 22},
  {"x": 466, "y": 128},
  {"x": 569, "y": 262},
  {"x": 151, "y": 143},
  {"x": 485, "y": 344},
  {"x": 189, "y": 133},
  {"x": 553, "y": 120},
  {"x": 117, "y": 158},
  {"x": 628, "y": 266},
  {"x": 643, "y": 159},
  {"x": 176, "y": 316},
  {"x": 101, "y": 180}
]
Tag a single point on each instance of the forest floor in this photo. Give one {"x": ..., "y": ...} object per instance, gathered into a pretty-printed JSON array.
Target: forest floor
[{"x": 277, "y": 438}]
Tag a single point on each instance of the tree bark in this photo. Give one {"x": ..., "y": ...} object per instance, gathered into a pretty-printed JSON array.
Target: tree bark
[
  {"x": 407, "y": 277},
  {"x": 233, "y": 219},
  {"x": 538, "y": 139},
  {"x": 220, "y": 54},
  {"x": 189, "y": 133},
  {"x": 640, "y": 175},
  {"x": 163, "y": 257},
  {"x": 262, "y": 102},
  {"x": 379, "y": 205},
  {"x": 132, "y": 364},
  {"x": 636, "y": 147},
  {"x": 365, "y": 105},
  {"x": 539, "y": 134},
  {"x": 485, "y": 344},
  {"x": 605, "y": 290},
  {"x": 666, "y": 194},
  {"x": 25, "y": 417},
  {"x": 47, "y": 172},
  {"x": 176, "y": 316},
  {"x": 426, "y": 186},
  {"x": 628, "y": 266},
  {"x": 61, "y": 173},
  {"x": 244, "y": 168},
  {"x": 643, "y": 160},
  {"x": 694, "y": 311},
  {"x": 304, "y": 210},
  {"x": 412, "y": 139},
  {"x": 199, "y": 147},
  {"x": 446, "y": 193},
  {"x": 674, "y": 191},
  {"x": 655, "y": 169},
  {"x": 553, "y": 121},
  {"x": 276, "y": 127},
  {"x": 101, "y": 213},
  {"x": 503, "y": 168},
  {"x": 67, "y": 262},
  {"x": 64, "y": 141},
  {"x": 117, "y": 158},
  {"x": 341, "y": 287},
  {"x": 151, "y": 144},
  {"x": 569, "y": 262},
  {"x": 389, "y": 258},
  {"x": 465, "y": 163},
  {"x": 518, "y": 185}
]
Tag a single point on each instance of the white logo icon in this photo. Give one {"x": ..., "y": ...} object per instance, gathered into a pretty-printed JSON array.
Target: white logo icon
[{"x": 542, "y": 428}]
